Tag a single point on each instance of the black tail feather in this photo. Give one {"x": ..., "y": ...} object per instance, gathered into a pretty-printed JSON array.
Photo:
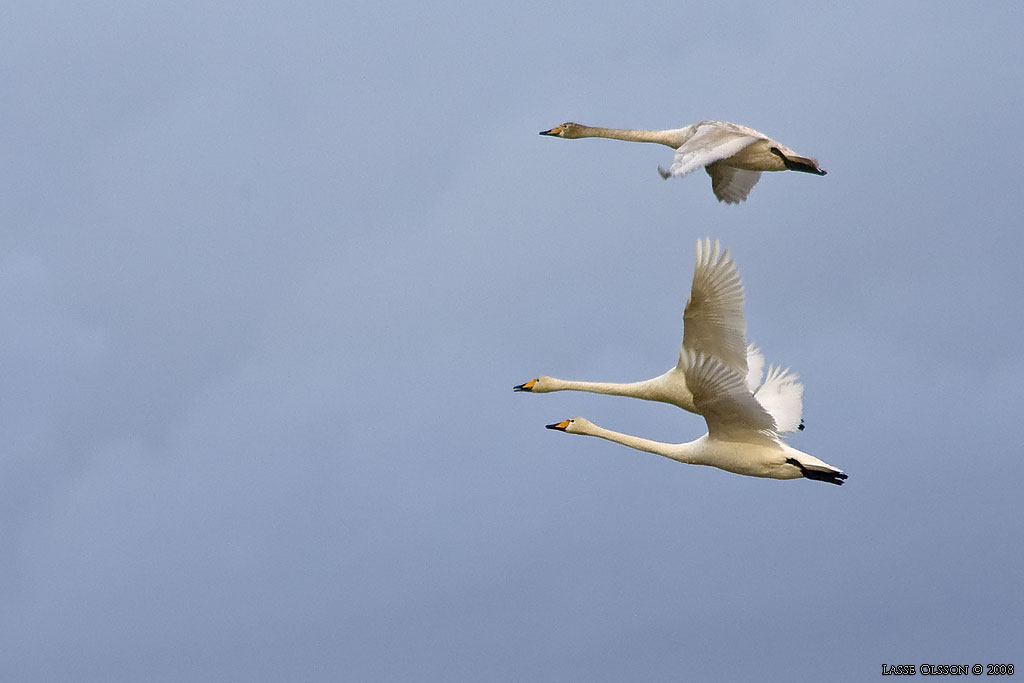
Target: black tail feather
[
  {"x": 819, "y": 475},
  {"x": 799, "y": 163}
]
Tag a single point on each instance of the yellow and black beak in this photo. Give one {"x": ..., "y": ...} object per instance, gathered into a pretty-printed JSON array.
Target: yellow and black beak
[
  {"x": 561, "y": 426},
  {"x": 556, "y": 131},
  {"x": 525, "y": 386}
]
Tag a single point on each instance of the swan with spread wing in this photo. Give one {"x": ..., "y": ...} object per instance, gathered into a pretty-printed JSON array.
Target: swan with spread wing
[
  {"x": 714, "y": 325},
  {"x": 733, "y": 155},
  {"x": 741, "y": 436}
]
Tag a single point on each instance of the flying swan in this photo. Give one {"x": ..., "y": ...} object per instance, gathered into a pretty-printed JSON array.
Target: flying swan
[
  {"x": 733, "y": 155},
  {"x": 713, "y": 324},
  {"x": 741, "y": 437}
]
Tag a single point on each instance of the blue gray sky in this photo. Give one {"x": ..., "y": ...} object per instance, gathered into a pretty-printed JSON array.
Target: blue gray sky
[{"x": 268, "y": 275}]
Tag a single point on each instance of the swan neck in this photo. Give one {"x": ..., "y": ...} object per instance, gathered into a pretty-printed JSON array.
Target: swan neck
[
  {"x": 629, "y": 389},
  {"x": 681, "y": 452},
  {"x": 662, "y": 137}
]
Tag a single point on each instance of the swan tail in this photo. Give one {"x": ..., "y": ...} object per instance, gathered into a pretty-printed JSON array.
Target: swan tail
[{"x": 797, "y": 163}]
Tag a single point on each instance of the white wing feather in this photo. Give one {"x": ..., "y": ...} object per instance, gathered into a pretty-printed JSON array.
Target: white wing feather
[
  {"x": 731, "y": 185},
  {"x": 782, "y": 396},
  {"x": 755, "y": 368},
  {"x": 721, "y": 396},
  {"x": 713, "y": 322},
  {"x": 710, "y": 143}
]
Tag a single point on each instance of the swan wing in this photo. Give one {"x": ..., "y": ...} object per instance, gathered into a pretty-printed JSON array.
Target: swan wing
[
  {"x": 721, "y": 396},
  {"x": 731, "y": 185},
  {"x": 713, "y": 322},
  {"x": 782, "y": 395},
  {"x": 711, "y": 141}
]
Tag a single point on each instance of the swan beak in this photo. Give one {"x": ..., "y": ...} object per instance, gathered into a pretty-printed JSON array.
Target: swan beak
[
  {"x": 526, "y": 386},
  {"x": 561, "y": 426},
  {"x": 556, "y": 131}
]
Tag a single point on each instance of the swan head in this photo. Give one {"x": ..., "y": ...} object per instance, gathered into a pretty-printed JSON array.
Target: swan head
[
  {"x": 541, "y": 385},
  {"x": 574, "y": 425},
  {"x": 566, "y": 130}
]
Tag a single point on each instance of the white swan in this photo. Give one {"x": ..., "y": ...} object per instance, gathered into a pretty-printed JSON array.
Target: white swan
[
  {"x": 733, "y": 155},
  {"x": 713, "y": 324},
  {"x": 740, "y": 436}
]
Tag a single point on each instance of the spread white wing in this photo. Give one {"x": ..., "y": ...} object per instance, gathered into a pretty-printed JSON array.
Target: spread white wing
[
  {"x": 711, "y": 142},
  {"x": 782, "y": 395},
  {"x": 713, "y": 322},
  {"x": 755, "y": 368},
  {"x": 722, "y": 397},
  {"x": 731, "y": 185}
]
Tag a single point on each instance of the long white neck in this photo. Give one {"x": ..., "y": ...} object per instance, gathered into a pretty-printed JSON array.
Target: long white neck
[
  {"x": 668, "y": 388},
  {"x": 671, "y": 138},
  {"x": 682, "y": 452},
  {"x": 644, "y": 390}
]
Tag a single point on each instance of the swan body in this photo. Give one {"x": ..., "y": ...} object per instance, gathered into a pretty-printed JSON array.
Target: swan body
[
  {"x": 740, "y": 438},
  {"x": 713, "y": 324},
  {"x": 733, "y": 155}
]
